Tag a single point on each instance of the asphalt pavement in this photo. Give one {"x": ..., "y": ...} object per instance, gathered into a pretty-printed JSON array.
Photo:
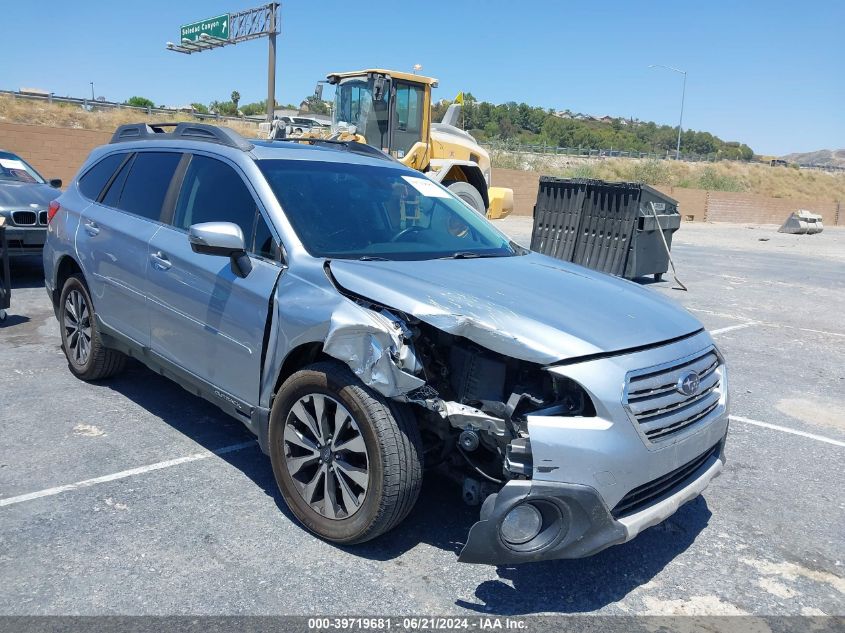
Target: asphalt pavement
[{"x": 132, "y": 496}]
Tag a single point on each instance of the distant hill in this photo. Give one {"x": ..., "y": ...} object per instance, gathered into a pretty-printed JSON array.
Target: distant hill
[{"x": 834, "y": 158}]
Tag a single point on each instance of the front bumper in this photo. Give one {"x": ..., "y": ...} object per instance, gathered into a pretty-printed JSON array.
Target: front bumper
[
  {"x": 24, "y": 240},
  {"x": 576, "y": 521},
  {"x": 602, "y": 475}
]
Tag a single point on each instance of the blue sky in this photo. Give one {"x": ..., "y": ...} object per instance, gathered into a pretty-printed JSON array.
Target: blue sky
[{"x": 769, "y": 73}]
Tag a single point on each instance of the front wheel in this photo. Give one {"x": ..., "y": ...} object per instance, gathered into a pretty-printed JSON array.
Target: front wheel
[
  {"x": 347, "y": 461},
  {"x": 468, "y": 194}
]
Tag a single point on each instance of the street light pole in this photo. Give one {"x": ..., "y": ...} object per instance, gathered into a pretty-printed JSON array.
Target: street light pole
[
  {"x": 683, "y": 96},
  {"x": 92, "y": 90}
]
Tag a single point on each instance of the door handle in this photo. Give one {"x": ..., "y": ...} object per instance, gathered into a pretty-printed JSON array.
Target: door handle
[
  {"x": 91, "y": 228},
  {"x": 160, "y": 260}
]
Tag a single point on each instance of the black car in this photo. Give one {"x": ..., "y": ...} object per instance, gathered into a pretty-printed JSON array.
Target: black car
[{"x": 24, "y": 200}]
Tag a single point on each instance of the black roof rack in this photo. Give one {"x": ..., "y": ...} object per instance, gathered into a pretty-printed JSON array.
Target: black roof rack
[{"x": 185, "y": 130}]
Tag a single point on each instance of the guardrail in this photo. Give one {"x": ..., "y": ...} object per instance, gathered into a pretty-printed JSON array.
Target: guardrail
[
  {"x": 90, "y": 105},
  {"x": 585, "y": 152}
]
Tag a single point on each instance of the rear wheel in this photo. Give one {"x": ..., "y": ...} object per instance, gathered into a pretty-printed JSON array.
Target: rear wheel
[
  {"x": 347, "y": 461},
  {"x": 87, "y": 357},
  {"x": 469, "y": 194}
]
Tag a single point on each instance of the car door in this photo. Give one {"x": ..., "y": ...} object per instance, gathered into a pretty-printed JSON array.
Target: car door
[
  {"x": 112, "y": 240},
  {"x": 203, "y": 317}
]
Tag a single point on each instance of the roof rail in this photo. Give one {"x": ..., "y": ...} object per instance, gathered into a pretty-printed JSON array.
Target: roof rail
[{"x": 185, "y": 130}]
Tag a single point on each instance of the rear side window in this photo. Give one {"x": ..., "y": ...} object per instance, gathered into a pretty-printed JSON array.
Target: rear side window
[
  {"x": 92, "y": 182},
  {"x": 146, "y": 185},
  {"x": 214, "y": 192},
  {"x": 112, "y": 196}
]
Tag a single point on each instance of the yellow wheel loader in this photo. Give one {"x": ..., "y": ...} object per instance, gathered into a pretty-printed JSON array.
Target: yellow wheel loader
[{"x": 391, "y": 110}]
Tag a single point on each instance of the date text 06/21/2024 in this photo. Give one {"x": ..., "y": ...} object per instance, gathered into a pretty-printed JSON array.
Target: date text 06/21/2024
[{"x": 416, "y": 623}]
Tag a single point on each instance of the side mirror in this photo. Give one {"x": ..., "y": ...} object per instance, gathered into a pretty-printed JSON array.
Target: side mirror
[
  {"x": 224, "y": 239},
  {"x": 56, "y": 182}
]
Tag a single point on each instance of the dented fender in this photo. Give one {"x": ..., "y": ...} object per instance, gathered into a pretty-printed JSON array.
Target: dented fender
[
  {"x": 373, "y": 346},
  {"x": 305, "y": 308}
]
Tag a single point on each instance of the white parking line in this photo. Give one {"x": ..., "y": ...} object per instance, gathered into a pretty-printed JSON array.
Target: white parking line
[
  {"x": 775, "y": 427},
  {"x": 730, "y": 328},
  {"x": 748, "y": 323},
  {"x": 49, "y": 492}
]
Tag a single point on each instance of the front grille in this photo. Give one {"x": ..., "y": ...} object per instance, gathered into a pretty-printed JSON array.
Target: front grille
[
  {"x": 42, "y": 218},
  {"x": 661, "y": 410},
  {"x": 664, "y": 486},
  {"x": 24, "y": 218}
]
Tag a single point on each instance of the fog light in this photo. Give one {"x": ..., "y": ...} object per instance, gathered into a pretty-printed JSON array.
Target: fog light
[{"x": 521, "y": 524}]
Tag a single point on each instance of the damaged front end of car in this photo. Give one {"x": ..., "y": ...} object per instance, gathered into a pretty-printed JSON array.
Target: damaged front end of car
[
  {"x": 473, "y": 407},
  {"x": 523, "y": 401}
]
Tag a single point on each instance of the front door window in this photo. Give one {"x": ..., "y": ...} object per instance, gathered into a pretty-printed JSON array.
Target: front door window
[{"x": 409, "y": 119}]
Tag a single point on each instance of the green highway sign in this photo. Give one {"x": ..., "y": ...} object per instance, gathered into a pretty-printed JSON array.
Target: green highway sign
[{"x": 215, "y": 27}]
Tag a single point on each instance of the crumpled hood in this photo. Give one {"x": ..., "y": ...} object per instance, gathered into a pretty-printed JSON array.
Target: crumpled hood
[
  {"x": 20, "y": 195},
  {"x": 530, "y": 307}
]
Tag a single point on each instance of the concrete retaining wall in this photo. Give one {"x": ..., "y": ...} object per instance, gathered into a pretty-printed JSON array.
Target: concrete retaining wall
[
  {"x": 54, "y": 152},
  {"x": 745, "y": 207}
]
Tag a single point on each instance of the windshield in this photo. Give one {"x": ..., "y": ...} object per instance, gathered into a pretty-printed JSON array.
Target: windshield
[
  {"x": 355, "y": 106},
  {"x": 12, "y": 167},
  {"x": 371, "y": 212}
]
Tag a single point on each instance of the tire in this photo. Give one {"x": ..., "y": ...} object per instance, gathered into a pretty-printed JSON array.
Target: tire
[
  {"x": 385, "y": 431},
  {"x": 469, "y": 194},
  {"x": 82, "y": 344}
]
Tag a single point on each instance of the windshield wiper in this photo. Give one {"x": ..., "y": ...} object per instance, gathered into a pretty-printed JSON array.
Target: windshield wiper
[
  {"x": 470, "y": 255},
  {"x": 372, "y": 258}
]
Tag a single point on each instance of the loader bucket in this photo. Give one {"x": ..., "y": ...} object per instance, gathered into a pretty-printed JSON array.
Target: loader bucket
[{"x": 802, "y": 222}]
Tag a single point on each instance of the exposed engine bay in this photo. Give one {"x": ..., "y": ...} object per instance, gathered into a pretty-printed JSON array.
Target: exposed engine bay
[
  {"x": 474, "y": 401},
  {"x": 480, "y": 426}
]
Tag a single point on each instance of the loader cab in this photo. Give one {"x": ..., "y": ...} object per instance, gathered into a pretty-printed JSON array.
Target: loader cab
[{"x": 390, "y": 110}]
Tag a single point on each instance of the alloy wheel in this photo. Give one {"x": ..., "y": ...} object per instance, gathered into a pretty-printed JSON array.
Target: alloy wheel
[
  {"x": 77, "y": 324},
  {"x": 326, "y": 456}
]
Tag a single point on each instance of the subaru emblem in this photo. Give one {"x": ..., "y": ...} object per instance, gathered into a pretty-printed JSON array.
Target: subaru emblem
[{"x": 688, "y": 383}]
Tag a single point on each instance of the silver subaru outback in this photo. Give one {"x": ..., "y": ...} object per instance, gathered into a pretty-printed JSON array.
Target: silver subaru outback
[{"x": 366, "y": 326}]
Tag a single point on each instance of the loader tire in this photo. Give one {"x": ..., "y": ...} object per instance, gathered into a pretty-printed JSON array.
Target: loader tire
[{"x": 468, "y": 194}]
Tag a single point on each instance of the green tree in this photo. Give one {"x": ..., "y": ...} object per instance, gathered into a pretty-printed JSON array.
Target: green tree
[
  {"x": 527, "y": 124},
  {"x": 140, "y": 102},
  {"x": 236, "y": 96},
  {"x": 225, "y": 108},
  {"x": 315, "y": 105},
  {"x": 252, "y": 109},
  {"x": 198, "y": 107}
]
